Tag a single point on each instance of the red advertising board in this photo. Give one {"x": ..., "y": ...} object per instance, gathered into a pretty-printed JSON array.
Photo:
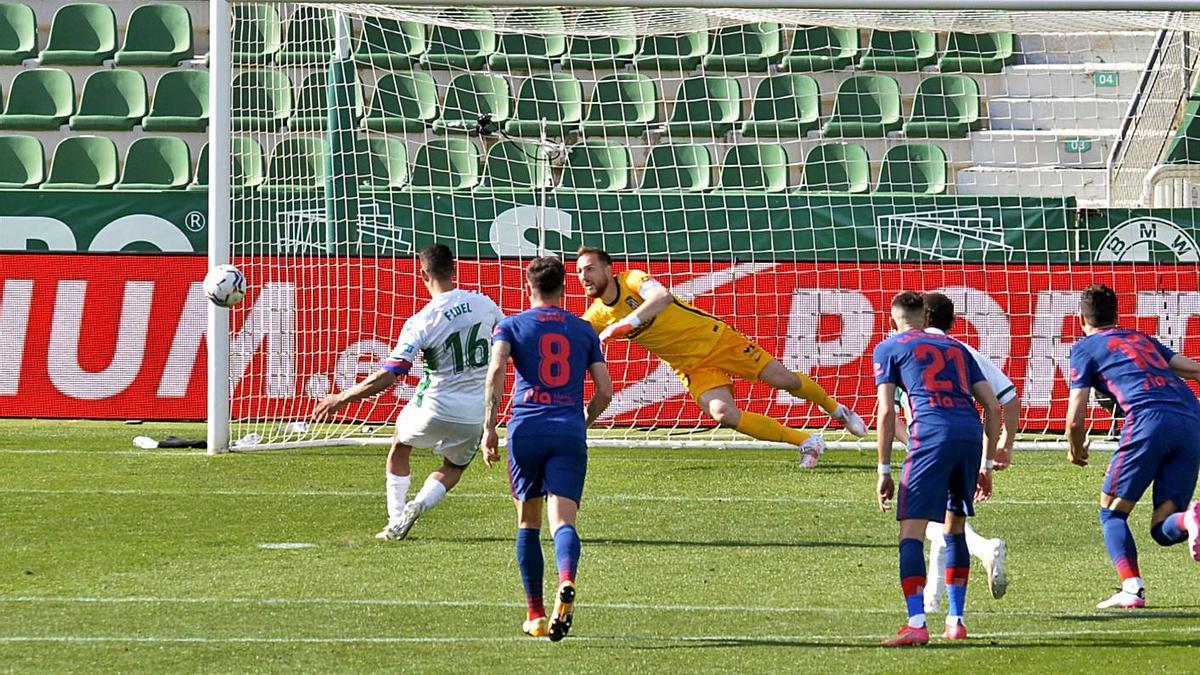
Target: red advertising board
[{"x": 121, "y": 336}]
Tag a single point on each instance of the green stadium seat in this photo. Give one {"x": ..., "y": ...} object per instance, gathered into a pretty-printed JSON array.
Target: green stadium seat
[
  {"x": 41, "y": 99},
  {"x": 977, "y": 53},
  {"x": 1185, "y": 147},
  {"x": 113, "y": 100},
  {"x": 676, "y": 51},
  {"x": 899, "y": 51},
  {"x": 755, "y": 166},
  {"x": 18, "y": 33},
  {"x": 866, "y": 106},
  {"x": 470, "y": 95},
  {"x": 461, "y": 48},
  {"x": 623, "y": 104},
  {"x": 387, "y": 164},
  {"x": 819, "y": 48},
  {"x": 516, "y": 165},
  {"x": 157, "y": 35},
  {"x": 308, "y": 38},
  {"x": 261, "y": 100},
  {"x": 706, "y": 106},
  {"x": 257, "y": 32},
  {"x": 556, "y": 98},
  {"x": 297, "y": 165},
  {"x": 200, "y": 178},
  {"x": 403, "y": 102},
  {"x": 914, "y": 168},
  {"x": 751, "y": 47},
  {"x": 83, "y": 163},
  {"x": 311, "y": 112},
  {"x": 446, "y": 164},
  {"x": 246, "y": 170},
  {"x": 671, "y": 166},
  {"x": 597, "y": 165},
  {"x": 785, "y": 105},
  {"x": 946, "y": 106},
  {"x": 837, "y": 167},
  {"x": 22, "y": 162},
  {"x": 603, "y": 51},
  {"x": 82, "y": 34},
  {"x": 390, "y": 44},
  {"x": 180, "y": 102},
  {"x": 156, "y": 163},
  {"x": 522, "y": 50}
]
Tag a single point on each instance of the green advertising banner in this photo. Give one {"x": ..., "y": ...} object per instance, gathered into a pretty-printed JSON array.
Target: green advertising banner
[
  {"x": 103, "y": 221},
  {"x": 1141, "y": 235}
]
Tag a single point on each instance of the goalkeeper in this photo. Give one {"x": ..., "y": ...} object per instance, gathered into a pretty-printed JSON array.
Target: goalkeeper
[{"x": 704, "y": 351}]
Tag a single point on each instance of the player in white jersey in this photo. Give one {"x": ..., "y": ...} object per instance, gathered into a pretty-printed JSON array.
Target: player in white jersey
[
  {"x": 939, "y": 317},
  {"x": 453, "y": 336}
]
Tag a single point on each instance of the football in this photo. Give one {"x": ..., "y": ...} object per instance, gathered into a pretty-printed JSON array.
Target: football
[{"x": 225, "y": 285}]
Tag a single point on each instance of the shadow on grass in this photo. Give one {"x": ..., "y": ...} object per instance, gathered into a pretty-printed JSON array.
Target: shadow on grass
[
  {"x": 716, "y": 543},
  {"x": 1183, "y": 612}
]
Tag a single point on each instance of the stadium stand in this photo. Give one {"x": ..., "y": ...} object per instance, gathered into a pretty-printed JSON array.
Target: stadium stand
[
  {"x": 82, "y": 34},
  {"x": 913, "y": 168},
  {"x": 42, "y": 98},
  {"x": 157, "y": 35},
  {"x": 678, "y": 166},
  {"x": 113, "y": 100},
  {"x": 784, "y": 105},
  {"x": 18, "y": 33},
  {"x": 623, "y": 104},
  {"x": 598, "y": 165},
  {"x": 706, "y": 106},
  {"x": 837, "y": 167},
  {"x": 22, "y": 162},
  {"x": 525, "y": 51},
  {"x": 518, "y": 165},
  {"x": 755, "y": 166},
  {"x": 390, "y": 43},
  {"x": 404, "y": 102},
  {"x": 449, "y": 163},
  {"x": 156, "y": 163},
  {"x": 549, "y": 101},
  {"x": 83, "y": 163}
]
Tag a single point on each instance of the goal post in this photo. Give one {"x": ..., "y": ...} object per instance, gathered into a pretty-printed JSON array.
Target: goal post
[{"x": 785, "y": 166}]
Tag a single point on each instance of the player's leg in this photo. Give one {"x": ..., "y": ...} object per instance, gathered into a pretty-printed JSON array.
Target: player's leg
[
  {"x": 992, "y": 554},
  {"x": 800, "y": 385},
  {"x": 397, "y": 478},
  {"x": 526, "y": 474},
  {"x": 566, "y": 471},
  {"x": 1176, "y": 516},
  {"x": 960, "y": 501},
  {"x": 457, "y": 445},
  {"x": 718, "y": 403},
  {"x": 935, "y": 584},
  {"x": 912, "y": 584},
  {"x": 1129, "y": 474}
]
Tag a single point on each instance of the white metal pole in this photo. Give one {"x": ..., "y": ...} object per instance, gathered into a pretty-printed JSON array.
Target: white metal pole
[
  {"x": 891, "y": 5},
  {"x": 220, "y": 81}
]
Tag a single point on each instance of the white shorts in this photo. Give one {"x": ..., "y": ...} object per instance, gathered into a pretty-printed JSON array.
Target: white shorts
[{"x": 455, "y": 441}]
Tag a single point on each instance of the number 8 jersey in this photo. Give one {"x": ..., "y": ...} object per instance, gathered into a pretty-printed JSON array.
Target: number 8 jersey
[{"x": 451, "y": 334}]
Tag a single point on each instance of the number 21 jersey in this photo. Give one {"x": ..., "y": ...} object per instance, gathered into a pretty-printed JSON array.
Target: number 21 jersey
[{"x": 937, "y": 372}]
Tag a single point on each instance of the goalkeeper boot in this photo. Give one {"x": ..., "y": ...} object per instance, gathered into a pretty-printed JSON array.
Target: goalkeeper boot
[
  {"x": 538, "y": 627},
  {"x": 399, "y": 529},
  {"x": 854, "y": 423},
  {"x": 564, "y": 604},
  {"x": 811, "y": 450},
  {"x": 908, "y": 637}
]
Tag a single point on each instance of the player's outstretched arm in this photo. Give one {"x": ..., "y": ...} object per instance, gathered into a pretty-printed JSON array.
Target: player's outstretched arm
[
  {"x": 604, "y": 391},
  {"x": 375, "y": 383},
  {"x": 1186, "y": 368},
  {"x": 885, "y": 423},
  {"x": 493, "y": 390},
  {"x": 656, "y": 298},
  {"x": 1077, "y": 452}
]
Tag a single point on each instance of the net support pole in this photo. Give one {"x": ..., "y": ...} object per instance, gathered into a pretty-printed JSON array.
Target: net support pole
[
  {"x": 858, "y": 5},
  {"x": 217, "y": 330},
  {"x": 341, "y": 188}
]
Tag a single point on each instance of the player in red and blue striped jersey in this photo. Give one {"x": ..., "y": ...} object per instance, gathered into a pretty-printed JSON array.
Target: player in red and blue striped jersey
[
  {"x": 552, "y": 350},
  {"x": 942, "y": 468},
  {"x": 1160, "y": 441}
]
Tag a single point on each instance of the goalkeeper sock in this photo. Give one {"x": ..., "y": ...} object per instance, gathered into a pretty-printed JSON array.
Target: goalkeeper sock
[
  {"x": 809, "y": 390},
  {"x": 431, "y": 493},
  {"x": 764, "y": 428},
  {"x": 397, "y": 495}
]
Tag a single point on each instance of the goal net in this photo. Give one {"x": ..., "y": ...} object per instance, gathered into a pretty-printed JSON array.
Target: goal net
[{"x": 787, "y": 171}]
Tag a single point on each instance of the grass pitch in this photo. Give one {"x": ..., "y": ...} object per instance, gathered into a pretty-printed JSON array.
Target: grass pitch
[{"x": 119, "y": 559}]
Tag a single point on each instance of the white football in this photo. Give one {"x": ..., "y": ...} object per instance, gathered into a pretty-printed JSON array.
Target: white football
[{"x": 225, "y": 285}]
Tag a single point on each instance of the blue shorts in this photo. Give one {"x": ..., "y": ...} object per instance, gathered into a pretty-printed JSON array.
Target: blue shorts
[
  {"x": 939, "y": 475},
  {"x": 1156, "y": 448},
  {"x": 541, "y": 464}
]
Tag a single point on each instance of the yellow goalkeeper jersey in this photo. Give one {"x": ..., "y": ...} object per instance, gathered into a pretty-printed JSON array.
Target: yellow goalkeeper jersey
[{"x": 681, "y": 335}]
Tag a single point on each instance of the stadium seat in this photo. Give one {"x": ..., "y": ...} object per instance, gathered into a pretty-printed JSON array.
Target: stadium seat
[
  {"x": 83, "y": 163},
  {"x": 836, "y": 167},
  {"x": 913, "y": 168},
  {"x": 866, "y": 106},
  {"x": 623, "y": 104},
  {"x": 677, "y": 51},
  {"x": 18, "y": 33},
  {"x": 556, "y": 98},
  {"x": 899, "y": 51},
  {"x": 256, "y": 31},
  {"x": 308, "y": 38},
  {"x": 22, "y": 162},
  {"x": 157, "y": 35},
  {"x": 297, "y": 165},
  {"x": 41, "y": 98},
  {"x": 156, "y": 163},
  {"x": 946, "y": 106},
  {"x": 602, "y": 51},
  {"x": 784, "y": 105},
  {"x": 597, "y": 165},
  {"x": 246, "y": 171},
  {"x": 750, "y": 47},
  {"x": 461, "y": 48},
  {"x": 516, "y": 165},
  {"x": 311, "y": 112},
  {"x": 180, "y": 102},
  {"x": 469, "y": 96},
  {"x": 522, "y": 50},
  {"x": 977, "y": 53},
  {"x": 200, "y": 177},
  {"x": 387, "y": 164},
  {"x": 261, "y": 100},
  {"x": 706, "y": 106},
  {"x": 819, "y": 48},
  {"x": 670, "y": 166},
  {"x": 113, "y": 100},
  {"x": 403, "y": 102},
  {"x": 82, "y": 34},
  {"x": 446, "y": 163},
  {"x": 755, "y": 166},
  {"x": 390, "y": 44},
  {"x": 1185, "y": 147}
]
